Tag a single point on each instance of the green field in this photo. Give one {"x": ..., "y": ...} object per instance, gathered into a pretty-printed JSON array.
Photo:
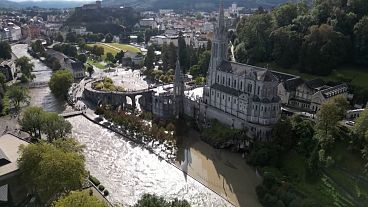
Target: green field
[
  {"x": 355, "y": 76},
  {"x": 114, "y": 48}
]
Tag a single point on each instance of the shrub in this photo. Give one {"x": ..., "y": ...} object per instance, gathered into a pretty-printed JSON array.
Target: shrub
[
  {"x": 94, "y": 180},
  {"x": 101, "y": 187},
  {"x": 106, "y": 193}
]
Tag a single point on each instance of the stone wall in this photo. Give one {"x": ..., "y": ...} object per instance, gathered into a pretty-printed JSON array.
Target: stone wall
[{"x": 201, "y": 111}]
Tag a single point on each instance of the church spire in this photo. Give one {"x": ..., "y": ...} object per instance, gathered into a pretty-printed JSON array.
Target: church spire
[
  {"x": 178, "y": 91},
  {"x": 221, "y": 20},
  {"x": 219, "y": 47}
]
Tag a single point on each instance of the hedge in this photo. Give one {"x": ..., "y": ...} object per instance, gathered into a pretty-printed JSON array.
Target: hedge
[{"x": 94, "y": 180}]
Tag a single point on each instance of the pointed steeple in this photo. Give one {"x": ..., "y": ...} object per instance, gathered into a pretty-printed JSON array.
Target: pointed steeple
[
  {"x": 178, "y": 91},
  {"x": 178, "y": 73},
  {"x": 221, "y": 20},
  {"x": 219, "y": 48}
]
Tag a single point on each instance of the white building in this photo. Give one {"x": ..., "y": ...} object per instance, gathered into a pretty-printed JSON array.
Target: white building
[
  {"x": 149, "y": 22},
  {"x": 240, "y": 95}
]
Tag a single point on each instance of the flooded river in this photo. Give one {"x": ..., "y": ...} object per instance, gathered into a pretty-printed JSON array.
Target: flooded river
[{"x": 129, "y": 171}]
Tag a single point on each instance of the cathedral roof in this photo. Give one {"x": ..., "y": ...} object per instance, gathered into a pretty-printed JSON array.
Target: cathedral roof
[
  {"x": 292, "y": 84},
  {"x": 226, "y": 89},
  {"x": 249, "y": 70}
]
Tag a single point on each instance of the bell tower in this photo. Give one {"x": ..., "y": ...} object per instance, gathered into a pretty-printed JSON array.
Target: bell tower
[
  {"x": 219, "y": 47},
  {"x": 178, "y": 91}
]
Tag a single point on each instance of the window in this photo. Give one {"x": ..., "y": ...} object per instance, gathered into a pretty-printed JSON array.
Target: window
[
  {"x": 218, "y": 95},
  {"x": 223, "y": 80},
  {"x": 223, "y": 96},
  {"x": 218, "y": 79},
  {"x": 234, "y": 83},
  {"x": 250, "y": 87},
  {"x": 229, "y": 98},
  {"x": 259, "y": 88},
  {"x": 228, "y": 82},
  {"x": 256, "y": 107},
  {"x": 241, "y": 85}
]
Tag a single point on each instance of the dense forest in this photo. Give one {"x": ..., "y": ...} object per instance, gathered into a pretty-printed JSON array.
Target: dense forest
[
  {"x": 314, "y": 39},
  {"x": 105, "y": 20}
]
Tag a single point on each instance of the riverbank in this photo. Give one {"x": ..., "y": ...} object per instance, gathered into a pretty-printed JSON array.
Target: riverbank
[{"x": 222, "y": 172}]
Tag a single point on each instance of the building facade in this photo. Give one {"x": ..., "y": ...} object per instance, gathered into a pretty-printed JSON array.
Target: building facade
[
  {"x": 308, "y": 95},
  {"x": 246, "y": 93}
]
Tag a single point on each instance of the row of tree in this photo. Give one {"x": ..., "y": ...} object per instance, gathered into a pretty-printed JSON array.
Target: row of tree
[{"x": 316, "y": 40}]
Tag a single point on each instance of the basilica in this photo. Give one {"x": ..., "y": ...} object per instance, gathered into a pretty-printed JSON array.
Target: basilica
[{"x": 245, "y": 94}]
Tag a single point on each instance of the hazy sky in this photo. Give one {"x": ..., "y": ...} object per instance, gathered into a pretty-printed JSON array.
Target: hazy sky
[{"x": 51, "y": 0}]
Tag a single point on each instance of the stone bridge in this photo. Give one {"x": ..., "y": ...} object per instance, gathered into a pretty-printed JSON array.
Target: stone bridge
[
  {"x": 116, "y": 98},
  {"x": 38, "y": 84}
]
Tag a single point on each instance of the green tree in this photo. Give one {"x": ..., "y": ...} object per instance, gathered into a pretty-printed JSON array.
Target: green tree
[
  {"x": 55, "y": 126},
  {"x": 26, "y": 68},
  {"x": 37, "y": 46},
  {"x": 110, "y": 57},
  {"x": 204, "y": 62},
  {"x": 330, "y": 113},
  {"x": 165, "y": 56},
  {"x": 50, "y": 171},
  {"x": 2, "y": 80},
  {"x": 254, "y": 32},
  {"x": 361, "y": 41},
  {"x": 323, "y": 49},
  {"x": 79, "y": 199},
  {"x": 150, "y": 58},
  {"x": 60, "y": 83},
  {"x": 302, "y": 23},
  {"x": 285, "y": 14},
  {"x": 148, "y": 200},
  {"x": 285, "y": 46},
  {"x": 32, "y": 120},
  {"x": 109, "y": 38},
  {"x": 59, "y": 37},
  {"x": 172, "y": 55},
  {"x": 98, "y": 51},
  {"x": 82, "y": 58},
  {"x": 90, "y": 70},
  {"x": 183, "y": 52},
  {"x": 71, "y": 37},
  {"x": 119, "y": 56},
  {"x": 17, "y": 95},
  {"x": 5, "y": 50}
]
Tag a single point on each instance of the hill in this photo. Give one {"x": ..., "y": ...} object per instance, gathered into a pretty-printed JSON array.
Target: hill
[
  {"x": 192, "y": 4},
  {"x": 8, "y": 4}
]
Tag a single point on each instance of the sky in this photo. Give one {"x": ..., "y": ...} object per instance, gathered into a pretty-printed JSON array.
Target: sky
[{"x": 52, "y": 0}]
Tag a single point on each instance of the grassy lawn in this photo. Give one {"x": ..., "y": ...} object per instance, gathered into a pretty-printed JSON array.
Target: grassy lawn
[
  {"x": 115, "y": 48},
  {"x": 99, "y": 65},
  {"x": 356, "y": 76},
  {"x": 125, "y": 47}
]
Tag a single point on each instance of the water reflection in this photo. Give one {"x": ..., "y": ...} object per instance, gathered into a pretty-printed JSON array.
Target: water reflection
[{"x": 129, "y": 171}]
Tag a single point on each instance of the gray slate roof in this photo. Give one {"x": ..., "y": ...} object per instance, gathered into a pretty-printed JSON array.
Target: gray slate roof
[
  {"x": 4, "y": 193},
  {"x": 3, "y": 158},
  {"x": 249, "y": 70},
  {"x": 226, "y": 89}
]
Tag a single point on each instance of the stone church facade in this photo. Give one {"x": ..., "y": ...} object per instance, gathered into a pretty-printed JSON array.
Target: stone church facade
[{"x": 247, "y": 93}]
